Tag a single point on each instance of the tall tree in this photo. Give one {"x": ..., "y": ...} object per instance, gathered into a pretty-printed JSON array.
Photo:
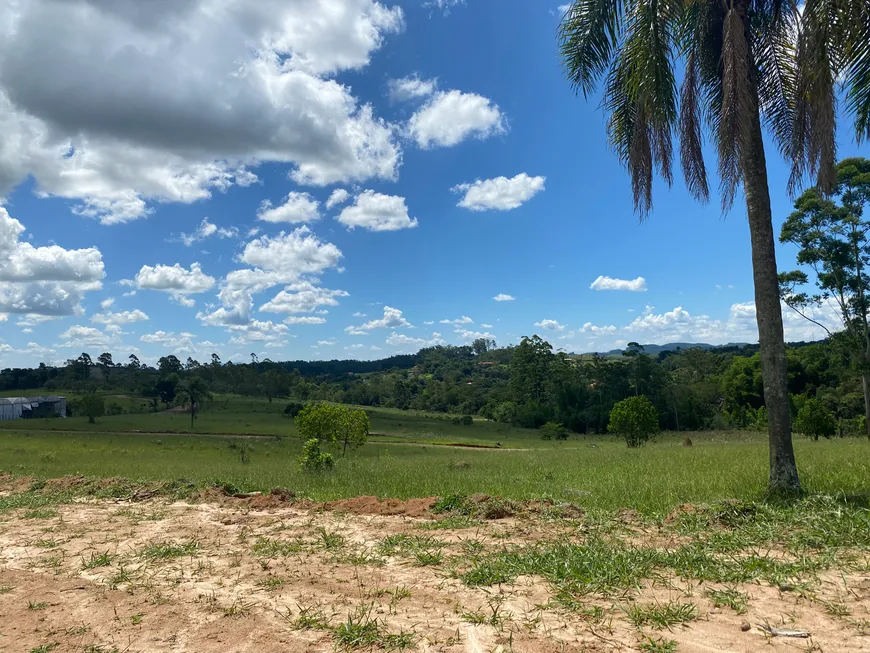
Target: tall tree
[
  {"x": 193, "y": 392},
  {"x": 832, "y": 237},
  {"x": 744, "y": 60}
]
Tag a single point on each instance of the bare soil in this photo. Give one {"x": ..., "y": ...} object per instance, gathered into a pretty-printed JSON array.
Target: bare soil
[{"x": 236, "y": 575}]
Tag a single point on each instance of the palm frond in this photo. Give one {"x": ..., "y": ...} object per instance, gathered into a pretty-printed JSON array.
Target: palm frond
[
  {"x": 691, "y": 151},
  {"x": 852, "y": 29},
  {"x": 588, "y": 37}
]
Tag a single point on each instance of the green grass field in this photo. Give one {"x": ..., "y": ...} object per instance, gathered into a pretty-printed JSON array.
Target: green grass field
[{"x": 595, "y": 472}]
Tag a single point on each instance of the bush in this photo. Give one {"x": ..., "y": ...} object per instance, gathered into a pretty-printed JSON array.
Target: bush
[
  {"x": 293, "y": 409},
  {"x": 553, "y": 431},
  {"x": 312, "y": 460},
  {"x": 635, "y": 419},
  {"x": 93, "y": 406},
  {"x": 467, "y": 420},
  {"x": 114, "y": 408},
  {"x": 814, "y": 420}
]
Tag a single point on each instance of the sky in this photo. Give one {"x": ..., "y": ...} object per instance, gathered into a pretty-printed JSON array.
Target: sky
[{"x": 323, "y": 179}]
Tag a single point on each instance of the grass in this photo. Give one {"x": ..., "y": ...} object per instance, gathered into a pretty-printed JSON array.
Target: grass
[
  {"x": 662, "y": 615},
  {"x": 730, "y": 598},
  {"x": 170, "y": 550},
  {"x": 97, "y": 560},
  {"x": 659, "y": 646},
  {"x": 595, "y": 472},
  {"x": 362, "y": 630}
]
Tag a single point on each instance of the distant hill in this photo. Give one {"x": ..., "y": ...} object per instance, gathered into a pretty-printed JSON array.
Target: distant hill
[{"x": 654, "y": 350}]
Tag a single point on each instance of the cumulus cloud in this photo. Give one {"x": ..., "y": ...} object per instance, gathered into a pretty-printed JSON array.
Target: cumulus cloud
[
  {"x": 205, "y": 230},
  {"x": 592, "y": 328},
  {"x": 302, "y": 297},
  {"x": 107, "y": 303},
  {"x": 338, "y": 196},
  {"x": 485, "y": 326},
  {"x": 402, "y": 340},
  {"x": 176, "y": 100},
  {"x": 499, "y": 194},
  {"x": 502, "y": 297},
  {"x": 297, "y": 207},
  {"x": 121, "y": 317},
  {"x": 308, "y": 319},
  {"x": 550, "y": 325},
  {"x": 377, "y": 212},
  {"x": 467, "y": 336},
  {"x": 44, "y": 280},
  {"x": 450, "y": 117},
  {"x": 392, "y": 319},
  {"x": 409, "y": 88},
  {"x": 460, "y": 320},
  {"x": 609, "y": 283},
  {"x": 327, "y": 343},
  {"x": 175, "y": 280},
  {"x": 85, "y": 337}
]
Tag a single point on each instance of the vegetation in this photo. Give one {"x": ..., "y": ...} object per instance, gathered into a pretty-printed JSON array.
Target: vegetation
[
  {"x": 331, "y": 424},
  {"x": 814, "y": 420},
  {"x": 743, "y": 62},
  {"x": 93, "y": 406},
  {"x": 635, "y": 419}
]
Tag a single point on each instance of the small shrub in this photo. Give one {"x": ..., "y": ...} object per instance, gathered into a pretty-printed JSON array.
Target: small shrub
[
  {"x": 114, "y": 408},
  {"x": 553, "y": 431},
  {"x": 814, "y": 420},
  {"x": 293, "y": 409},
  {"x": 93, "y": 406},
  {"x": 312, "y": 459},
  {"x": 635, "y": 419},
  {"x": 467, "y": 420}
]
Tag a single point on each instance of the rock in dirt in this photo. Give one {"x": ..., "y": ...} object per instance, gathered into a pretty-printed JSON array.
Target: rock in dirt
[{"x": 745, "y": 626}]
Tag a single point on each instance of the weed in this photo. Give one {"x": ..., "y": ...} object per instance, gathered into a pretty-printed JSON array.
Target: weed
[
  {"x": 494, "y": 616},
  {"x": 731, "y": 598},
  {"x": 44, "y": 648},
  {"x": 659, "y": 645},
  {"x": 5, "y": 589},
  {"x": 46, "y": 544},
  {"x": 271, "y": 548},
  {"x": 101, "y": 560},
  {"x": 136, "y": 619},
  {"x": 271, "y": 584},
  {"x": 310, "y": 618},
  {"x": 425, "y": 558},
  {"x": 662, "y": 615},
  {"x": 238, "y": 609},
  {"x": 122, "y": 575},
  {"x": 40, "y": 513},
  {"x": 170, "y": 550},
  {"x": 362, "y": 630},
  {"x": 41, "y": 605},
  {"x": 330, "y": 541},
  {"x": 99, "y": 648},
  {"x": 836, "y": 609}
]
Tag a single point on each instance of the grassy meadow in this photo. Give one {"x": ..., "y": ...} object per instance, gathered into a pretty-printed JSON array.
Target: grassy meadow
[{"x": 404, "y": 459}]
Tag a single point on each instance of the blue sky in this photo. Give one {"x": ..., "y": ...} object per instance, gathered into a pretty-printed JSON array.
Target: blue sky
[{"x": 464, "y": 168}]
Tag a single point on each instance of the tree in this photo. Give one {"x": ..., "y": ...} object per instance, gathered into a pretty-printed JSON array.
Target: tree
[
  {"x": 134, "y": 363},
  {"x": 832, "y": 238},
  {"x": 635, "y": 419},
  {"x": 814, "y": 420},
  {"x": 744, "y": 60},
  {"x": 93, "y": 406},
  {"x": 105, "y": 359},
  {"x": 482, "y": 345},
  {"x": 554, "y": 431},
  {"x": 193, "y": 392},
  {"x": 333, "y": 424},
  {"x": 169, "y": 365},
  {"x": 165, "y": 389}
]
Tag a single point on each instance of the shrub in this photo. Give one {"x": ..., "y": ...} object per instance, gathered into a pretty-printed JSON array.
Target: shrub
[
  {"x": 114, "y": 408},
  {"x": 553, "y": 431},
  {"x": 293, "y": 409},
  {"x": 336, "y": 425},
  {"x": 312, "y": 459},
  {"x": 467, "y": 420},
  {"x": 635, "y": 419},
  {"x": 93, "y": 406},
  {"x": 814, "y": 419}
]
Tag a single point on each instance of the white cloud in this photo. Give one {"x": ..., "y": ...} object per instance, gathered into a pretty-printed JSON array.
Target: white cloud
[
  {"x": 409, "y": 88},
  {"x": 377, "y": 212},
  {"x": 461, "y": 320},
  {"x": 302, "y": 297},
  {"x": 257, "y": 331},
  {"x": 85, "y": 337},
  {"x": 449, "y": 117},
  {"x": 175, "y": 280},
  {"x": 550, "y": 325},
  {"x": 401, "y": 340},
  {"x": 338, "y": 196},
  {"x": 499, "y": 194},
  {"x": 485, "y": 326},
  {"x": 174, "y": 99},
  {"x": 32, "y": 319},
  {"x": 308, "y": 319},
  {"x": 297, "y": 207},
  {"x": 44, "y": 280},
  {"x": 107, "y": 303},
  {"x": 609, "y": 283},
  {"x": 356, "y": 346},
  {"x": 205, "y": 230},
  {"x": 443, "y": 5},
  {"x": 429, "y": 322},
  {"x": 591, "y": 328},
  {"x": 358, "y": 314},
  {"x": 502, "y": 297},
  {"x": 327, "y": 343},
  {"x": 392, "y": 319},
  {"x": 374, "y": 348},
  {"x": 121, "y": 317},
  {"x": 467, "y": 336}
]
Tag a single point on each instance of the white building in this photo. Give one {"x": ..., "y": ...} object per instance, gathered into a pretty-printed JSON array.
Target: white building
[{"x": 26, "y": 407}]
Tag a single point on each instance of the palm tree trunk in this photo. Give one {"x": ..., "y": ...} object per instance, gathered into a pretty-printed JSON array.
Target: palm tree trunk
[
  {"x": 866, "y": 383},
  {"x": 774, "y": 371}
]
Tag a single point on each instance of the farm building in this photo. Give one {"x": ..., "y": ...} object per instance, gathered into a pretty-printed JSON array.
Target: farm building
[{"x": 27, "y": 407}]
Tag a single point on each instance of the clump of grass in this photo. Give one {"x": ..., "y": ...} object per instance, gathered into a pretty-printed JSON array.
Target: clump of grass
[
  {"x": 121, "y": 576},
  {"x": 362, "y": 630},
  {"x": 271, "y": 584},
  {"x": 310, "y": 618},
  {"x": 98, "y": 560},
  {"x": 46, "y": 544},
  {"x": 330, "y": 541},
  {"x": 44, "y": 648},
  {"x": 238, "y": 608},
  {"x": 731, "y": 598},
  {"x": 493, "y": 616},
  {"x": 5, "y": 589},
  {"x": 659, "y": 645},
  {"x": 40, "y": 513},
  {"x": 170, "y": 550},
  {"x": 267, "y": 547},
  {"x": 662, "y": 615},
  {"x": 41, "y": 605}
]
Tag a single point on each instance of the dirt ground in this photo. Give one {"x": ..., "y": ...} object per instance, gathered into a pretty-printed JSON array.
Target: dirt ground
[{"x": 226, "y": 577}]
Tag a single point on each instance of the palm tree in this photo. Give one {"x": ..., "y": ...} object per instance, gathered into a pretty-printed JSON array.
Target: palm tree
[
  {"x": 742, "y": 61},
  {"x": 193, "y": 392}
]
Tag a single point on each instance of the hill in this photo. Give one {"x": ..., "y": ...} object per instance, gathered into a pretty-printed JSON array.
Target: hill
[{"x": 653, "y": 349}]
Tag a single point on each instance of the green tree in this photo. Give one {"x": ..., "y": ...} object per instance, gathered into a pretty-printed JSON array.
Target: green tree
[
  {"x": 333, "y": 424},
  {"x": 554, "y": 431},
  {"x": 169, "y": 365},
  {"x": 635, "y": 419},
  {"x": 193, "y": 391},
  {"x": 743, "y": 61},
  {"x": 93, "y": 406},
  {"x": 814, "y": 420},
  {"x": 832, "y": 237}
]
